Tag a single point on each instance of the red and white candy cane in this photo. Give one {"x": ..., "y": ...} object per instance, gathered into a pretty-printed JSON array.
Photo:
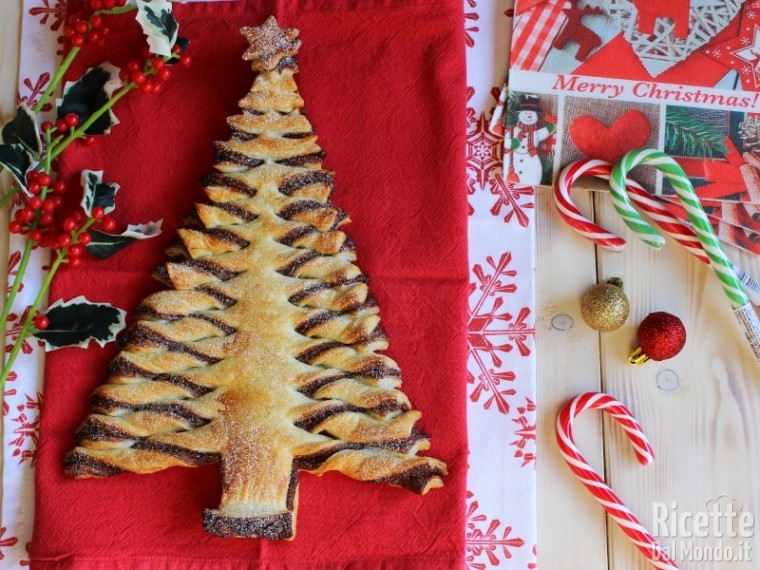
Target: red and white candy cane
[
  {"x": 630, "y": 525},
  {"x": 643, "y": 200},
  {"x": 570, "y": 212}
]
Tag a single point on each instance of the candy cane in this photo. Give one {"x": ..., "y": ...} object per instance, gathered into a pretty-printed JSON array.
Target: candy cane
[
  {"x": 630, "y": 525},
  {"x": 720, "y": 264},
  {"x": 572, "y": 215},
  {"x": 670, "y": 223}
]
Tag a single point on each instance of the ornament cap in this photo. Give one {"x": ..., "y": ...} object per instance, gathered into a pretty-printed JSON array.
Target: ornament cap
[{"x": 637, "y": 357}]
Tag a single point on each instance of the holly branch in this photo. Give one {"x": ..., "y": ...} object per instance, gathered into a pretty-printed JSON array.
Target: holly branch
[{"x": 29, "y": 149}]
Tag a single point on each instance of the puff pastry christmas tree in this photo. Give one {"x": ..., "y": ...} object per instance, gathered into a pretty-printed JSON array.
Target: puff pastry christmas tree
[{"x": 262, "y": 355}]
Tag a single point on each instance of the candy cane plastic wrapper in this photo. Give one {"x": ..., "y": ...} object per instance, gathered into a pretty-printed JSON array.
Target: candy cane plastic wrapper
[
  {"x": 612, "y": 504},
  {"x": 718, "y": 261},
  {"x": 671, "y": 224}
]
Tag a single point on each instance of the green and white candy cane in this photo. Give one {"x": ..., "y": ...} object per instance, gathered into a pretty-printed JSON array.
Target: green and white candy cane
[
  {"x": 624, "y": 206},
  {"x": 720, "y": 264}
]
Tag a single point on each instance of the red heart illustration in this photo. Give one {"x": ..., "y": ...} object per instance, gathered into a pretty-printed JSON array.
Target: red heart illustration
[{"x": 595, "y": 140}]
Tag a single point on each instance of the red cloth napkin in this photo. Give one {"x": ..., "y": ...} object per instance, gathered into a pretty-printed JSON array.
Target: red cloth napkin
[{"x": 384, "y": 88}]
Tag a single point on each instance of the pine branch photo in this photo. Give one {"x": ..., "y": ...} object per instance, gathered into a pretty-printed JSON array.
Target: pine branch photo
[{"x": 687, "y": 135}]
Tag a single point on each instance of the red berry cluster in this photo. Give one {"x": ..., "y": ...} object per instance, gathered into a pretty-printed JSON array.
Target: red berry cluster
[
  {"x": 83, "y": 27},
  {"x": 38, "y": 220},
  {"x": 69, "y": 122},
  {"x": 150, "y": 73}
]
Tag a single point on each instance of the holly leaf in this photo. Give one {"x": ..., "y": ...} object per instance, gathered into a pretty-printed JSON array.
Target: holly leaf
[
  {"x": 79, "y": 321},
  {"x": 104, "y": 245},
  {"x": 17, "y": 160},
  {"x": 88, "y": 94},
  {"x": 97, "y": 192},
  {"x": 22, "y": 129},
  {"x": 158, "y": 24}
]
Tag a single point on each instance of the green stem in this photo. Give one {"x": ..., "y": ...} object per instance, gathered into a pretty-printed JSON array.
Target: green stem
[
  {"x": 80, "y": 130},
  {"x": 25, "y": 329},
  {"x": 65, "y": 64},
  {"x": 16, "y": 283},
  {"x": 8, "y": 196},
  {"x": 120, "y": 10}
]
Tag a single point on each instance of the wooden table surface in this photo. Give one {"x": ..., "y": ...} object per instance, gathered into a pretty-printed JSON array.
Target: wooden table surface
[{"x": 701, "y": 410}]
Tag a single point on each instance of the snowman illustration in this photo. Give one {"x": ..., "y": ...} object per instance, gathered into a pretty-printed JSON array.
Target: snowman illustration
[{"x": 521, "y": 142}]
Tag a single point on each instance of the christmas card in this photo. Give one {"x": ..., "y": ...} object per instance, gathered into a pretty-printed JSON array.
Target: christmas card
[{"x": 597, "y": 78}]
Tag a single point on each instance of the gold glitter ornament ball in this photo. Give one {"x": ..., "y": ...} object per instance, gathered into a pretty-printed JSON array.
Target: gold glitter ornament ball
[{"x": 605, "y": 307}]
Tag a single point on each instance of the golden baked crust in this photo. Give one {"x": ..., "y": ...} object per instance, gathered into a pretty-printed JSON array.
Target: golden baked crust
[{"x": 263, "y": 354}]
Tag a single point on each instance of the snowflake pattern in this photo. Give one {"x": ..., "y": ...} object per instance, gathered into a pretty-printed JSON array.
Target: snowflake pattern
[
  {"x": 512, "y": 200},
  {"x": 470, "y": 29},
  {"x": 526, "y": 433},
  {"x": 15, "y": 326},
  {"x": 483, "y": 153},
  {"x": 6, "y": 541},
  {"x": 56, "y": 13},
  {"x": 8, "y": 392},
  {"x": 35, "y": 90},
  {"x": 26, "y": 431},
  {"x": 485, "y": 543},
  {"x": 493, "y": 331}
]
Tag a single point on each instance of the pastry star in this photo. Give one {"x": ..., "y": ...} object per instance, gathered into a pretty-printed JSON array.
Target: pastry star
[{"x": 269, "y": 43}]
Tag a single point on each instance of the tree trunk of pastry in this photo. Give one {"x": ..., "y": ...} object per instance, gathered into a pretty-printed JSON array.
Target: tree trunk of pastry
[{"x": 263, "y": 354}]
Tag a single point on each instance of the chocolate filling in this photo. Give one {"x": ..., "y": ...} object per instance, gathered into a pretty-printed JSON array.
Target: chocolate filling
[
  {"x": 307, "y": 292},
  {"x": 302, "y": 159},
  {"x": 316, "y": 384},
  {"x": 217, "y": 179},
  {"x": 122, "y": 367},
  {"x": 349, "y": 280},
  {"x": 290, "y": 503},
  {"x": 185, "y": 455},
  {"x": 272, "y": 527},
  {"x": 206, "y": 267},
  {"x": 297, "y": 135},
  {"x": 140, "y": 335},
  {"x": 77, "y": 464},
  {"x": 301, "y": 180},
  {"x": 378, "y": 369},
  {"x": 414, "y": 479},
  {"x": 228, "y": 236},
  {"x": 312, "y": 420},
  {"x": 297, "y": 233},
  {"x": 312, "y": 353},
  {"x": 238, "y": 135},
  {"x": 290, "y": 269},
  {"x": 287, "y": 62},
  {"x": 316, "y": 460},
  {"x": 237, "y": 211},
  {"x": 176, "y": 250},
  {"x": 192, "y": 221},
  {"x": 93, "y": 429},
  {"x": 213, "y": 292},
  {"x": 300, "y": 206},
  {"x": 318, "y": 319},
  {"x": 149, "y": 313},
  {"x": 176, "y": 410},
  {"x": 225, "y": 155}
]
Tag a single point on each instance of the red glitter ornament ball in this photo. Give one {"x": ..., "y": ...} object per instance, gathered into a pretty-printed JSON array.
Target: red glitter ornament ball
[{"x": 661, "y": 336}]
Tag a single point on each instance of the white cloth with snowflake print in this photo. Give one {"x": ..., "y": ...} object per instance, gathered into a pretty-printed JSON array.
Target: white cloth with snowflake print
[
  {"x": 500, "y": 525},
  {"x": 501, "y": 482}
]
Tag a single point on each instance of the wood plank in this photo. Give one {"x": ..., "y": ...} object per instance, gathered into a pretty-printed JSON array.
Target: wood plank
[
  {"x": 10, "y": 30},
  {"x": 567, "y": 365},
  {"x": 701, "y": 409}
]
